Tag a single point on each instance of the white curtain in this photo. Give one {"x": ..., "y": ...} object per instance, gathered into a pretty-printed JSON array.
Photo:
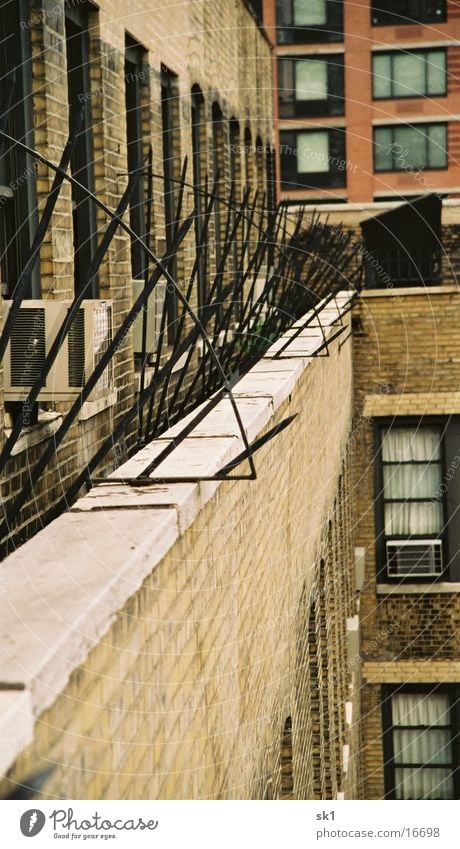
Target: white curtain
[
  {"x": 405, "y": 443},
  {"x": 428, "y": 747},
  {"x": 313, "y": 152},
  {"x": 309, "y": 13},
  {"x": 310, "y": 79},
  {"x": 423, "y": 745},
  {"x": 420, "y": 709},
  {"x": 409, "y": 75},
  {"x": 424, "y": 784},
  {"x": 413, "y": 517},
  {"x": 381, "y": 75},
  {"x": 421, "y": 446},
  {"x": 436, "y": 72}
]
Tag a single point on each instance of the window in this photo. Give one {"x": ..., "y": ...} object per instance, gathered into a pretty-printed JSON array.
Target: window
[
  {"x": 171, "y": 154},
  {"x": 248, "y": 163},
  {"x": 313, "y": 86},
  {"x": 312, "y": 159},
  {"x": 134, "y": 141},
  {"x": 218, "y": 169},
  {"x": 260, "y": 168},
  {"x": 405, "y": 148},
  {"x": 395, "y": 12},
  {"x": 421, "y": 743},
  {"x": 270, "y": 166},
  {"x": 199, "y": 184},
  {"x": 400, "y": 74},
  {"x": 303, "y": 21},
  {"x": 403, "y": 246},
  {"x": 417, "y": 500},
  {"x": 81, "y": 165},
  {"x": 18, "y": 204},
  {"x": 256, "y": 6}
]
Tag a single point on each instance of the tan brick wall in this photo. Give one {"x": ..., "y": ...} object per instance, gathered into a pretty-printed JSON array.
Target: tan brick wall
[
  {"x": 406, "y": 362},
  {"x": 221, "y": 50},
  {"x": 239, "y": 627}
]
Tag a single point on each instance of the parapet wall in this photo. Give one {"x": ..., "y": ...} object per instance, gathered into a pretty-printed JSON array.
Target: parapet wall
[{"x": 188, "y": 640}]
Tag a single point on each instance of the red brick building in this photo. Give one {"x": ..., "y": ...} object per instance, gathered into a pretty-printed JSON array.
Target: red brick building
[{"x": 367, "y": 102}]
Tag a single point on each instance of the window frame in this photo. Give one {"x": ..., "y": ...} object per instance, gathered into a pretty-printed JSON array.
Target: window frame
[
  {"x": 18, "y": 210},
  {"x": 409, "y": 168},
  {"x": 170, "y": 147},
  {"x": 199, "y": 154},
  {"x": 405, "y": 20},
  {"x": 333, "y": 104},
  {"x": 289, "y": 33},
  {"x": 134, "y": 66},
  {"x": 82, "y": 159},
  {"x": 315, "y": 179},
  {"x": 410, "y": 422},
  {"x": 394, "y": 53},
  {"x": 390, "y": 690}
]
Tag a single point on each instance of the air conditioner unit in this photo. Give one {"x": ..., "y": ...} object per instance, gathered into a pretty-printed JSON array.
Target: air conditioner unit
[
  {"x": 414, "y": 558},
  {"x": 152, "y": 319},
  {"x": 36, "y": 327}
]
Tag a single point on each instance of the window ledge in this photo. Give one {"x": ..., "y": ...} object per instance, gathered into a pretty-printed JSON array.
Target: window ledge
[
  {"x": 150, "y": 370},
  {"x": 396, "y": 292},
  {"x": 92, "y": 408},
  {"x": 47, "y": 425},
  {"x": 435, "y": 588}
]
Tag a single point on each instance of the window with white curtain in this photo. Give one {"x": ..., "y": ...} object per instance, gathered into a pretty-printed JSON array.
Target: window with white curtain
[
  {"x": 312, "y": 86},
  {"x": 417, "y": 499},
  {"x": 419, "y": 73},
  {"x": 404, "y": 148},
  {"x": 420, "y": 744},
  {"x": 412, "y": 478},
  {"x": 309, "y": 13},
  {"x": 411, "y": 504},
  {"x": 304, "y": 21},
  {"x": 312, "y": 158}
]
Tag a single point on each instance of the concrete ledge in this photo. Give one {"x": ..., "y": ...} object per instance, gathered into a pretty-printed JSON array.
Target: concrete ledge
[
  {"x": 92, "y": 408},
  {"x": 16, "y": 725},
  {"x": 63, "y": 589},
  {"x": 396, "y": 292},
  {"x": 419, "y": 589},
  {"x": 47, "y": 425}
]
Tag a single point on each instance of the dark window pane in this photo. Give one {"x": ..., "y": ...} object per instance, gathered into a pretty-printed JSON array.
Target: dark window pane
[{"x": 398, "y": 12}]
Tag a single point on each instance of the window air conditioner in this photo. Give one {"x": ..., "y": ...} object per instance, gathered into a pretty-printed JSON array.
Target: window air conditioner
[
  {"x": 36, "y": 327},
  {"x": 414, "y": 558}
]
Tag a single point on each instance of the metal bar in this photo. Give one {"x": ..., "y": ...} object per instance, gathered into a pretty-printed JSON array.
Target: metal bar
[
  {"x": 223, "y": 474},
  {"x": 207, "y": 218},
  {"x": 67, "y": 323},
  {"x": 26, "y": 274},
  {"x": 146, "y": 279},
  {"x": 12, "y": 512},
  {"x": 245, "y": 455}
]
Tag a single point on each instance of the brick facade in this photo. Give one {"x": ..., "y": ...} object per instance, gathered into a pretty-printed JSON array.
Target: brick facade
[
  {"x": 234, "y": 72},
  {"x": 405, "y": 364},
  {"x": 226, "y": 674}
]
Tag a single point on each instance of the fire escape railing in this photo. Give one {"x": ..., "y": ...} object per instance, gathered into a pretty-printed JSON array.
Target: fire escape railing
[{"x": 284, "y": 269}]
